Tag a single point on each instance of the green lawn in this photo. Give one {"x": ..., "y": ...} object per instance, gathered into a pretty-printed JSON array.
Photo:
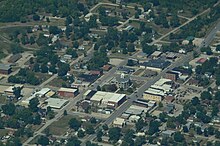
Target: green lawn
[
  {"x": 3, "y": 132},
  {"x": 61, "y": 126}
]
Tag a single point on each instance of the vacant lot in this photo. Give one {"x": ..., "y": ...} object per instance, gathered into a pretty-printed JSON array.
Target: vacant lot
[{"x": 61, "y": 126}]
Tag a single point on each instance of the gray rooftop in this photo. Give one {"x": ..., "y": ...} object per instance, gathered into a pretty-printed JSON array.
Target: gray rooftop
[{"x": 5, "y": 66}]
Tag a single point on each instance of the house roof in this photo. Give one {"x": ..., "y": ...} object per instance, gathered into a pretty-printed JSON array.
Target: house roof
[
  {"x": 201, "y": 60},
  {"x": 5, "y": 66}
]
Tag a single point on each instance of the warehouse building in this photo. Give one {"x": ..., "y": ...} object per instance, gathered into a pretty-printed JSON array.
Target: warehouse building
[
  {"x": 107, "y": 99},
  {"x": 56, "y": 103},
  {"x": 14, "y": 58},
  {"x": 67, "y": 92},
  {"x": 153, "y": 94},
  {"x": 5, "y": 69},
  {"x": 155, "y": 64}
]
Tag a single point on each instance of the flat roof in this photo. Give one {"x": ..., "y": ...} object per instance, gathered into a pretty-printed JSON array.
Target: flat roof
[
  {"x": 56, "y": 102},
  {"x": 50, "y": 93},
  {"x": 156, "y": 53},
  {"x": 5, "y": 66},
  {"x": 67, "y": 90},
  {"x": 107, "y": 96},
  {"x": 119, "y": 121},
  {"x": 162, "y": 81},
  {"x": 156, "y": 63},
  {"x": 43, "y": 91},
  {"x": 154, "y": 92}
]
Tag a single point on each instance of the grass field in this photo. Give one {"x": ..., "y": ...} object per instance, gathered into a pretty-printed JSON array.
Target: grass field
[
  {"x": 61, "y": 126},
  {"x": 3, "y": 132}
]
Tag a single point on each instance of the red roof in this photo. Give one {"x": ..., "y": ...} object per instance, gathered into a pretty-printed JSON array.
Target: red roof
[
  {"x": 201, "y": 60},
  {"x": 95, "y": 72},
  {"x": 169, "y": 98},
  {"x": 106, "y": 67}
]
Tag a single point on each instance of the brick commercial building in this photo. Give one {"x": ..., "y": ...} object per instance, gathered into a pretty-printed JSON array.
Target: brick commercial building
[
  {"x": 171, "y": 75},
  {"x": 67, "y": 92}
]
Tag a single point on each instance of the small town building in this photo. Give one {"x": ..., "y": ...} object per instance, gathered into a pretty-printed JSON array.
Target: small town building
[
  {"x": 67, "y": 92},
  {"x": 156, "y": 54},
  {"x": 169, "y": 108},
  {"x": 106, "y": 67},
  {"x": 5, "y": 69},
  {"x": 171, "y": 75},
  {"x": 50, "y": 94},
  {"x": 155, "y": 64},
  {"x": 119, "y": 122},
  {"x": 125, "y": 70},
  {"x": 169, "y": 99},
  {"x": 88, "y": 94},
  {"x": 167, "y": 133},
  {"x": 56, "y": 103},
  {"x": 14, "y": 58},
  {"x": 134, "y": 118},
  {"x": 153, "y": 94},
  {"x": 96, "y": 72},
  {"x": 108, "y": 99},
  {"x": 123, "y": 81},
  {"x": 42, "y": 92},
  {"x": 171, "y": 55},
  {"x": 201, "y": 60}
]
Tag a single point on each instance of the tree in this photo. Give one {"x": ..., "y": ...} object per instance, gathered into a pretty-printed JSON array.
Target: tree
[
  {"x": 8, "y": 109},
  {"x": 206, "y": 95},
  {"x": 99, "y": 135},
  {"x": 17, "y": 92},
  {"x": 36, "y": 17},
  {"x": 114, "y": 134},
  {"x": 54, "y": 30},
  {"x": 93, "y": 120},
  {"x": 128, "y": 137},
  {"x": 105, "y": 127},
  {"x": 195, "y": 101},
  {"x": 198, "y": 130},
  {"x": 153, "y": 127},
  {"x": 131, "y": 48},
  {"x": 16, "y": 48},
  {"x": 73, "y": 141},
  {"x": 44, "y": 68},
  {"x": 74, "y": 124},
  {"x": 178, "y": 137},
  {"x": 72, "y": 52},
  {"x": 218, "y": 48},
  {"x": 89, "y": 129},
  {"x": 147, "y": 48},
  {"x": 63, "y": 68},
  {"x": 139, "y": 141},
  {"x": 32, "y": 40},
  {"x": 33, "y": 104},
  {"x": 81, "y": 134},
  {"x": 64, "y": 112},
  {"x": 185, "y": 129},
  {"x": 44, "y": 141},
  {"x": 140, "y": 124}
]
